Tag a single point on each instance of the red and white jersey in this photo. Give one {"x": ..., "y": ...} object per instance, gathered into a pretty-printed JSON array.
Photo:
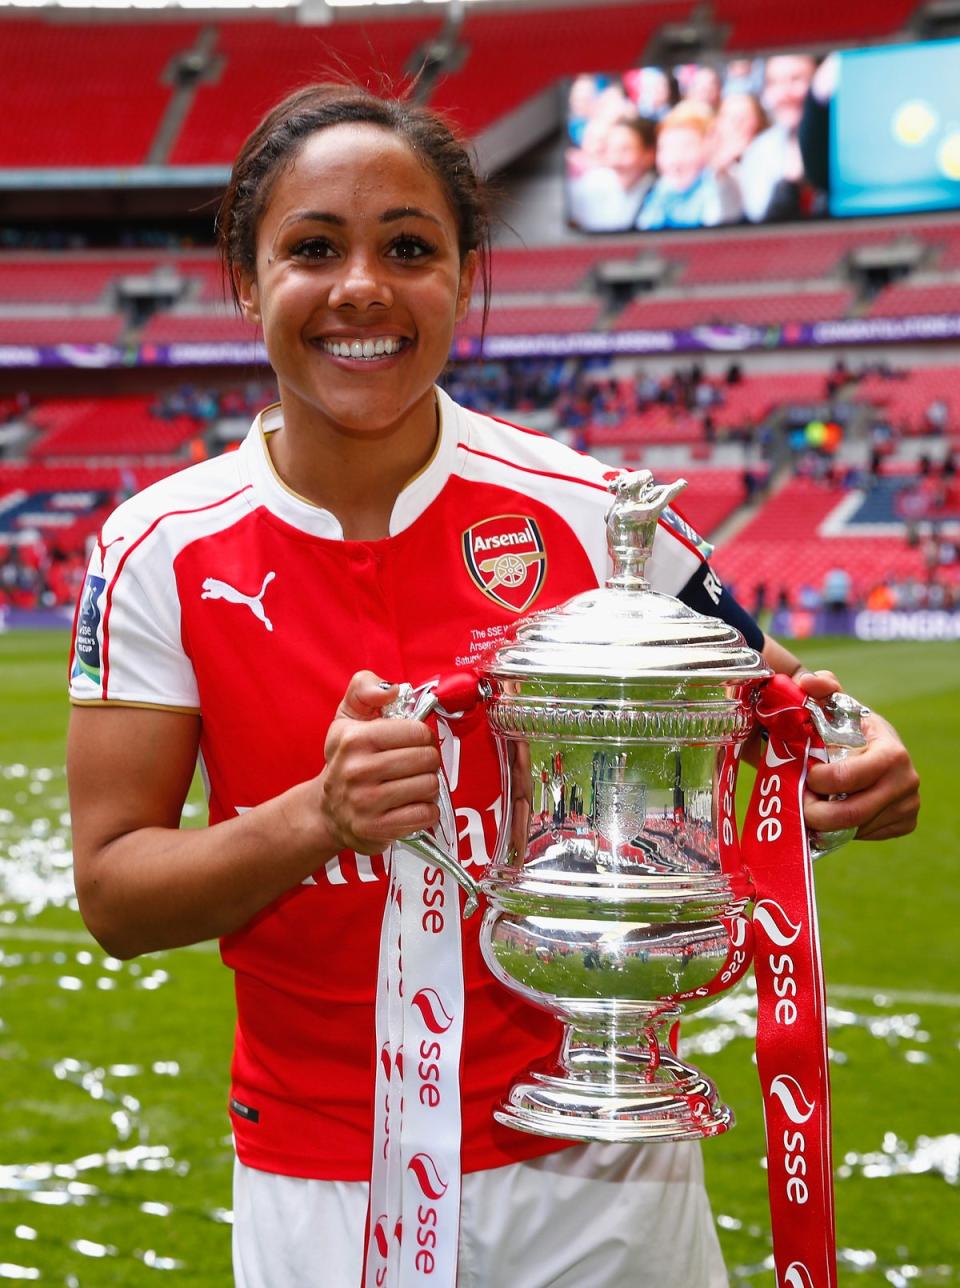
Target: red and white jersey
[{"x": 220, "y": 591}]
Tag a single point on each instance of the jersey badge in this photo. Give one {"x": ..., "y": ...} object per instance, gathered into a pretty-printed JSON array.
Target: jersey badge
[
  {"x": 214, "y": 589},
  {"x": 86, "y": 649},
  {"x": 506, "y": 559}
]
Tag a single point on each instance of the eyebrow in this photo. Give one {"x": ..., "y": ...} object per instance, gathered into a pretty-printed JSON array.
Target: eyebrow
[
  {"x": 407, "y": 212},
  {"x": 390, "y": 216}
]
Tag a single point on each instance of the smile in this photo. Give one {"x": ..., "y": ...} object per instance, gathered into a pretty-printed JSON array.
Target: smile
[{"x": 382, "y": 347}]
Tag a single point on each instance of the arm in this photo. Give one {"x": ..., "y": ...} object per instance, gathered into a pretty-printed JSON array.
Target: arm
[
  {"x": 880, "y": 783},
  {"x": 143, "y": 884}
]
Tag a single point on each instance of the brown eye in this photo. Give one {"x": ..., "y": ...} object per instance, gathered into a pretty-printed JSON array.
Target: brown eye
[
  {"x": 409, "y": 247},
  {"x": 313, "y": 248}
]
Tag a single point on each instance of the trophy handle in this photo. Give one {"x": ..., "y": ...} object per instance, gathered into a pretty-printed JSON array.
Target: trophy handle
[
  {"x": 450, "y": 697},
  {"x": 838, "y": 720}
]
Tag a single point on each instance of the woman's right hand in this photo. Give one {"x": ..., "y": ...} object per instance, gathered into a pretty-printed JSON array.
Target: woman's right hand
[
  {"x": 380, "y": 782},
  {"x": 145, "y": 884}
]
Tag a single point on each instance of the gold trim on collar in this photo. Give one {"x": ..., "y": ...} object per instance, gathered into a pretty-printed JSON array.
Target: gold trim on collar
[{"x": 265, "y": 434}]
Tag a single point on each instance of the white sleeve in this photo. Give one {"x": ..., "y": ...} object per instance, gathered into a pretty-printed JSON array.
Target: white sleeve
[{"x": 127, "y": 645}]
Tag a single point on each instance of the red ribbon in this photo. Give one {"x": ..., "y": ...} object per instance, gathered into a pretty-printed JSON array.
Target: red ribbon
[
  {"x": 774, "y": 858},
  {"x": 791, "y": 1016}
]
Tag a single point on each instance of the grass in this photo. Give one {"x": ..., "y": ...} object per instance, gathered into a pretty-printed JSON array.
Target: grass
[{"x": 114, "y": 1143}]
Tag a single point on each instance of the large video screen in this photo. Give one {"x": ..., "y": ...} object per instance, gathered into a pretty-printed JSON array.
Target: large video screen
[{"x": 763, "y": 140}]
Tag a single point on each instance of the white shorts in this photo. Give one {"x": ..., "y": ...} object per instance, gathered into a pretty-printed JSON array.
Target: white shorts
[{"x": 591, "y": 1216}]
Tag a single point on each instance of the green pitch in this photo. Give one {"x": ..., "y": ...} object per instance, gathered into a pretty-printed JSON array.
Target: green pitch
[{"x": 114, "y": 1140}]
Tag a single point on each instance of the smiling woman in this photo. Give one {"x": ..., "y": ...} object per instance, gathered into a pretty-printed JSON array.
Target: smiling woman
[
  {"x": 358, "y": 292},
  {"x": 245, "y": 610},
  {"x": 358, "y": 302}
]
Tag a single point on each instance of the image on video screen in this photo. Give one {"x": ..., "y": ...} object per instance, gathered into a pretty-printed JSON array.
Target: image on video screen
[{"x": 764, "y": 140}]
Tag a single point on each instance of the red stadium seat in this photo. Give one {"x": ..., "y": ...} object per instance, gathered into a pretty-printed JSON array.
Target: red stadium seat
[
  {"x": 755, "y": 308},
  {"x": 85, "y": 93},
  {"x": 109, "y": 427}
]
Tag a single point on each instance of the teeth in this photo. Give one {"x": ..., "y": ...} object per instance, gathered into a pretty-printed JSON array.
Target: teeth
[{"x": 383, "y": 346}]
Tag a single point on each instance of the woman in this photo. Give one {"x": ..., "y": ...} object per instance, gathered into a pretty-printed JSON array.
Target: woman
[
  {"x": 738, "y": 122},
  {"x": 607, "y": 197},
  {"x": 257, "y": 609}
]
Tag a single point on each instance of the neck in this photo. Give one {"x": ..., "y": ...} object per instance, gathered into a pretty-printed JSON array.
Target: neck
[{"x": 357, "y": 477}]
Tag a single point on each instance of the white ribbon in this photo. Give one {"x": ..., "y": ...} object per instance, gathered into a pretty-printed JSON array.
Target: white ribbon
[{"x": 414, "y": 1216}]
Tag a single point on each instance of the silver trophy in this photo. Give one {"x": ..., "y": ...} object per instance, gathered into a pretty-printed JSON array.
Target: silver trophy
[{"x": 617, "y": 901}]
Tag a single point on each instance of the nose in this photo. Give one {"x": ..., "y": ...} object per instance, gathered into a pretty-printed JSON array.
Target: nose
[{"x": 361, "y": 284}]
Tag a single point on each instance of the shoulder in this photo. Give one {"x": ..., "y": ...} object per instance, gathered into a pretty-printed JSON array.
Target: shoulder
[
  {"x": 498, "y": 451},
  {"x": 179, "y": 501}
]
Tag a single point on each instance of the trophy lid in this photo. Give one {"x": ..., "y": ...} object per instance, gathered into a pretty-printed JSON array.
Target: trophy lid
[{"x": 626, "y": 630}]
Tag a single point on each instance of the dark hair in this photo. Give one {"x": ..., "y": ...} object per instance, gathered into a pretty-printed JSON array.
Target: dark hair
[
  {"x": 642, "y": 127},
  {"x": 279, "y": 136}
]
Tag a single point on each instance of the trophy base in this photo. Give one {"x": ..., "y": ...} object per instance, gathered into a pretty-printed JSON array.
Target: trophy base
[{"x": 661, "y": 1100}]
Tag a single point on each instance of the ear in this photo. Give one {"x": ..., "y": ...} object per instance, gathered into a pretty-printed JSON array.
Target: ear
[
  {"x": 248, "y": 293},
  {"x": 468, "y": 273}
]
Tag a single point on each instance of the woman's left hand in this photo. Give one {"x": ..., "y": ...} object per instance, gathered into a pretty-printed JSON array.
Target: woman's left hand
[{"x": 879, "y": 783}]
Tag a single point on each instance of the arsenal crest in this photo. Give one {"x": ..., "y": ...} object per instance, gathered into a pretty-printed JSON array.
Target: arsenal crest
[{"x": 506, "y": 559}]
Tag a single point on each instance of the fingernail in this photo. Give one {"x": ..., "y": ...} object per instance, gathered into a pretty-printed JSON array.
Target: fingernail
[{"x": 384, "y": 684}]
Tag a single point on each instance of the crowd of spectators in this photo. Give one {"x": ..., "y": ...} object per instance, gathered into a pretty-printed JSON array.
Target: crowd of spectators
[
  {"x": 207, "y": 405},
  {"x": 41, "y": 572},
  {"x": 576, "y": 394},
  {"x": 44, "y": 569},
  {"x": 583, "y": 393},
  {"x": 836, "y": 597}
]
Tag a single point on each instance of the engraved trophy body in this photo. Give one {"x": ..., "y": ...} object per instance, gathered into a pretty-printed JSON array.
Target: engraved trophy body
[{"x": 620, "y": 901}]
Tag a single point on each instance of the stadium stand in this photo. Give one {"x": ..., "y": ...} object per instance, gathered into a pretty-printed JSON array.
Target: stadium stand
[
  {"x": 711, "y": 497},
  {"x": 110, "y": 427},
  {"x": 769, "y": 26},
  {"x": 61, "y": 328},
  {"x": 782, "y": 549},
  {"x": 545, "y": 288},
  {"x": 902, "y": 300},
  {"x": 175, "y": 328},
  {"x": 757, "y": 308},
  {"x": 66, "y": 278},
  {"x": 532, "y": 319},
  {"x": 190, "y": 93},
  {"x": 259, "y": 62},
  {"x": 530, "y": 54},
  {"x": 63, "y": 81},
  {"x": 54, "y": 119},
  {"x": 810, "y": 252},
  {"x": 906, "y": 398},
  {"x": 749, "y": 402}
]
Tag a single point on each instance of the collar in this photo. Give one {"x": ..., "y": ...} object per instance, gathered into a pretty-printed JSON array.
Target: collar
[{"x": 417, "y": 494}]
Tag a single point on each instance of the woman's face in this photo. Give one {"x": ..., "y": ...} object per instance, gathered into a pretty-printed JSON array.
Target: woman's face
[
  {"x": 627, "y": 157},
  {"x": 736, "y": 125},
  {"x": 358, "y": 283}
]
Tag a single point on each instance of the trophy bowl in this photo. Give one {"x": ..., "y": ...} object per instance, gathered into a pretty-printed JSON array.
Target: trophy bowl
[{"x": 617, "y": 900}]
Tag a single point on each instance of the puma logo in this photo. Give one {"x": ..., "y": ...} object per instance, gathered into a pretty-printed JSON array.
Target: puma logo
[{"x": 214, "y": 589}]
